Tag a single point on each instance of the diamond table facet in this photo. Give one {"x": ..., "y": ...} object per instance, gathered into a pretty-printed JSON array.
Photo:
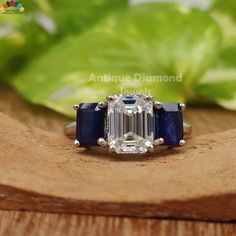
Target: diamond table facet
[{"x": 130, "y": 124}]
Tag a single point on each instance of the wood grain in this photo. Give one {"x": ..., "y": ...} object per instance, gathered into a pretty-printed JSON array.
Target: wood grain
[
  {"x": 25, "y": 223},
  {"x": 14, "y": 106},
  {"x": 38, "y": 224},
  {"x": 42, "y": 171}
]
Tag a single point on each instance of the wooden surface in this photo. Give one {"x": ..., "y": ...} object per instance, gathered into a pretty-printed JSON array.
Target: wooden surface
[
  {"x": 16, "y": 223},
  {"x": 43, "y": 171},
  {"x": 41, "y": 224}
]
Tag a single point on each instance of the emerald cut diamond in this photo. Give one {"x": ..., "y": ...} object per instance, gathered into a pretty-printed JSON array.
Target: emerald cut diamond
[{"x": 130, "y": 124}]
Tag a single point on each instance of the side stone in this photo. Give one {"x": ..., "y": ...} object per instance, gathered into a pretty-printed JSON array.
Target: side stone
[
  {"x": 169, "y": 124},
  {"x": 89, "y": 124}
]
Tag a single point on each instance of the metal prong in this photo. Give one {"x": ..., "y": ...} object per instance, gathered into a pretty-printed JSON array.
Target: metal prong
[
  {"x": 111, "y": 149},
  {"x": 76, "y": 107},
  {"x": 181, "y": 142},
  {"x": 158, "y": 141},
  {"x": 102, "y": 142},
  {"x": 150, "y": 148},
  {"x": 158, "y": 105},
  {"x": 77, "y": 144},
  {"x": 148, "y": 98},
  {"x": 102, "y": 105},
  {"x": 110, "y": 98},
  {"x": 182, "y": 106}
]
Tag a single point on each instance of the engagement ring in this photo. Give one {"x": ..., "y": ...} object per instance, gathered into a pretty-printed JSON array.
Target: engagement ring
[{"x": 129, "y": 124}]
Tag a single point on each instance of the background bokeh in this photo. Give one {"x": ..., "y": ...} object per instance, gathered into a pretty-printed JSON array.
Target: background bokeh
[{"x": 49, "y": 52}]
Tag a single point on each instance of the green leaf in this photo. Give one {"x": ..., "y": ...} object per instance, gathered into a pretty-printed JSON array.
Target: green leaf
[
  {"x": 226, "y": 7},
  {"x": 219, "y": 86},
  {"x": 224, "y": 12},
  {"x": 219, "y": 83},
  {"x": 73, "y": 16},
  {"x": 24, "y": 36},
  {"x": 151, "y": 39}
]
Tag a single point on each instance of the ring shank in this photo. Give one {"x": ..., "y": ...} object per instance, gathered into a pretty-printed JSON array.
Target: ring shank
[{"x": 70, "y": 129}]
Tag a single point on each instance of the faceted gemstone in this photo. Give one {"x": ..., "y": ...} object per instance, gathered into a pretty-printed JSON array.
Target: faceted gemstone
[
  {"x": 89, "y": 124},
  {"x": 130, "y": 124},
  {"x": 169, "y": 124}
]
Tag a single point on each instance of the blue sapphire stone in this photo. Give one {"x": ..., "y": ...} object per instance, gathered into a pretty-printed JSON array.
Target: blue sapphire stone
[
  {"x": 169, "y": 124},
  {"x": 89, "y": 124}
]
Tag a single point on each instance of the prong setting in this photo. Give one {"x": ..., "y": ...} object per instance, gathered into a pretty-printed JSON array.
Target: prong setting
[
  {"x": 182, "y": 106},
  {"x": 102, "y": 142},
  {"x": 76, "y": 107},
  {"x": 150, "y": 147},
  {"x": 110, "y": 98},
  {"x": 148, "y": 98},
  {"x": 102, "y": 105},
  {"x": 158, "y": 141},
  {"x": 182, "y": 142},
  {"x": 77, "y": 143},
  {"x": 158, "y": 105}
]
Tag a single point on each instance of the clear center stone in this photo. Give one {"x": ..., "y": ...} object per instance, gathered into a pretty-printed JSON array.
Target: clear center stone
[{"x": 130, "y": 124}]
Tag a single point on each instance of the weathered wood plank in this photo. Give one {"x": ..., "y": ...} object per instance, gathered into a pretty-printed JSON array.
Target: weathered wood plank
[
  {"x": 40, "y": 224},
  {"x": 42, "y": 171}
]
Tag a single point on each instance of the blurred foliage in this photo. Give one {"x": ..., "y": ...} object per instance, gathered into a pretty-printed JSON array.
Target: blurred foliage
[
  {"x": 76, "y": 16},
  {"x": 124, "y": 44},
  {"x": 43, "y": 24},
  {"x": 20, "y": 39},
  {"x": 219, "y": 83},
  {"x": 56, "y": 45}
]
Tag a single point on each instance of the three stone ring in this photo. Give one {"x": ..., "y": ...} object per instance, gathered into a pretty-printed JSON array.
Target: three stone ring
[{"x": 129, "y": 124}]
